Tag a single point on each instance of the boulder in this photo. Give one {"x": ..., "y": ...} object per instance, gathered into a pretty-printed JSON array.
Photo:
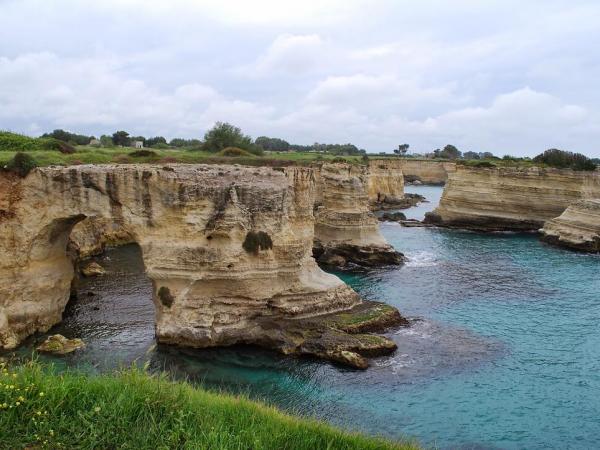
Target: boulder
[{"x": 57, "y": 344}]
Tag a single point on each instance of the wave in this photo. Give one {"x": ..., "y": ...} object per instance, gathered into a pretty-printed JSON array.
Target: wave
[{"x": 421, "y": 259}]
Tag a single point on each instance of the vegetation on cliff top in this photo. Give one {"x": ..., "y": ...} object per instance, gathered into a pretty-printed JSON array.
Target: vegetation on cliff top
[{"x": 40, "y": 408}]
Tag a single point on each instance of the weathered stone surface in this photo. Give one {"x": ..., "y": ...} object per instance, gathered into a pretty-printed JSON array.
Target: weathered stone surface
[
  {"x": 385, "y": 183},
  {"x": 495, "y": 199},
  {"x": 344, "y": 223},
  {"x": 228, "y": 250},
  {"x": 426, "y": 171},
  {"x": 577, "y": 228},
  {"x": 57, "y": 344},
  {"x": 92, "y": 269},
  {"x": 392, "y": 217},
  {"x": 339, "y": 337},
  {"x": 191, "y": 222},
  {"x": 93, "y": 234}
]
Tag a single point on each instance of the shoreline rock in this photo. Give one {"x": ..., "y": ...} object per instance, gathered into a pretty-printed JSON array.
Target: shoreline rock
[
  {"x": 92, "y": 269},
  {"x": 346, "y": 230},
  {"x": 577, "y": 228},
  {"x": 57, "y": 344}
]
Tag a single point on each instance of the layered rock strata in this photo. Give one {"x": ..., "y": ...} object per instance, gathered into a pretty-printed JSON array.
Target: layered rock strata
[
  {"x": 577, "y": 228},
  {"x": 494, "y": 199},
  {"x": 385, "y": 184},
  {"x": 228, "y": 249},
  {"x": 346, "y": 231},
  {"x": 426, "y": 171}
]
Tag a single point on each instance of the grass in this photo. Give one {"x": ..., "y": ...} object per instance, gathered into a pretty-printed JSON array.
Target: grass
[
  {"x": 40, "y": 408},
  {"x": 93, "y": 155}
]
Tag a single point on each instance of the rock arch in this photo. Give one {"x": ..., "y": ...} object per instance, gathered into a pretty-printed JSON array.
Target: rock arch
[{"x": 190, "y": 222}]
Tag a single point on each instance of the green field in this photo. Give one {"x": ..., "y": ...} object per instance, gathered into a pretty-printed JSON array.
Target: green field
[
  {"x": 40, "y": 408},
  {"x": 91, "y": 155}
]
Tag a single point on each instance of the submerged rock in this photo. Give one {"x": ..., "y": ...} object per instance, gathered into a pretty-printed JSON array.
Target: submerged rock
[
  {"x": 92, "y": 269},
  {"x": 392, "y": 217},
  {"x": 59, "y": 345},
  {"x": 341, "y": 337},
  {"x": 347, "y": 256}
]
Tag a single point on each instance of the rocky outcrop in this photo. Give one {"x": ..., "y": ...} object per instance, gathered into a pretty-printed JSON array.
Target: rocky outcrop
[
  {"x": 346, "y": 231},
  {"x": 93, "y": 234},
  {"x": 227, "y": 248},
  {"x": 385, "y": 183},
  {"x": 494, "y": 199},
  {"x": 426, "y": 171},
  {"x": 577, "y": 228}
]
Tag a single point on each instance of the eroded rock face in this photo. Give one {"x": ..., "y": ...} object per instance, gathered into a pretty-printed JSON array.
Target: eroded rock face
[
  {"x": 425, "y": 171},
  {"x": 577, "y": 228},
  {"x": 191, "y": 222},
  {"x": 494, "y": 199},
  {"x": 93, "y": 234},
  {"x": 346, "y": 231},
  {"x": 385, "y": 183}
]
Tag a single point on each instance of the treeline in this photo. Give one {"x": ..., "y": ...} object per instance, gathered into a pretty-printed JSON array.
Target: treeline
[{"x": 221, "y": 136}]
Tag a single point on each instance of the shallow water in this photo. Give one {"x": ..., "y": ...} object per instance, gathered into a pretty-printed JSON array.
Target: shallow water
[{"x": 503, "y": 351}]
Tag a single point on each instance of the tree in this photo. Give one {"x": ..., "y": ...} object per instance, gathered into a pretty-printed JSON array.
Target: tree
[
  {"x": 402, "y": 149},
  {"x": 272, "y": 144},
  {"x": 564, "y": 159},
  {"x": 121, "y": 138},
  {"x": 223, "y": 135},
  {"x": 106, "y": 141},
  {"x": 471, "y": 155},
  {"x": 67, "y": 136},
  {"x": 155, "y": 140},
  {"x": 450, "y": 152}
]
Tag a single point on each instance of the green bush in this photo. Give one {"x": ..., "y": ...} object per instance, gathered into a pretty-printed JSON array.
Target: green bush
[
  {"x": 142, "y": 153},
  {"x": 565, "y": 160},
  {"x": 160, "y": 146},
  {"x": 257, "y": 240},
  {"x": 165, "y": 296},
  {"x": 234, "y": 151},
  {"x": 21, "y": 164}
]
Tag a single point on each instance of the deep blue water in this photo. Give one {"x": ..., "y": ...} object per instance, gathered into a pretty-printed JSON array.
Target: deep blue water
[{"x": 503, "y": 351}]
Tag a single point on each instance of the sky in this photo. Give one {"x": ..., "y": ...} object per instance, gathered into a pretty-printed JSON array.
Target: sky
[{"x": 510, "y": 77}]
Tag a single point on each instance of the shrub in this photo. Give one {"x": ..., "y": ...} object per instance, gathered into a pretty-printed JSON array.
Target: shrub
[
  {"x": 484, "y": 164},
  {"x": 257, "y": 240},
  {"x": 339, "y": 159},
  {"x": 234, "y": 151},
  {"x": 165, "y": 296},
  {"x": 122, "y": 159},
  {"x": 160, "y": 146},
  {"x": 21, "y": 164},
  {"x": 224, "y": 135},
  {"x": 142, "y": 153},
  {"x": 565, "y": 160}
]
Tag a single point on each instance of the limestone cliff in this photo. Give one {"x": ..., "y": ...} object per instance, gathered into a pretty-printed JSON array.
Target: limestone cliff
[
  {"x": 490, "y": 199},
  {"x": 346, "y": 231},
  {"x": 577, "y": 228},
  {"x": 426, "y": 171},
  {"x": 385, "y": 182},
  {"x": 228, "y": 249}
]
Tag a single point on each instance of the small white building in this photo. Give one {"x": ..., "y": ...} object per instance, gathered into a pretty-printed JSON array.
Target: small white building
[{"x": 138, "y": 144}]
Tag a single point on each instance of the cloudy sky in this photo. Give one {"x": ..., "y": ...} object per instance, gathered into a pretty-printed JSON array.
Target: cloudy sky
[{"x": 511, "y": 77}]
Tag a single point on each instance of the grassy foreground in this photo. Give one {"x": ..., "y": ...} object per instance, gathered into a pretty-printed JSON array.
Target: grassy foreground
[{"x": 130, "y": 409}]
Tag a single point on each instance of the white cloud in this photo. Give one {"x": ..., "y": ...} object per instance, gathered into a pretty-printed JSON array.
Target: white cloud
[
  {"x": 506, "y": 76},
  {"x": 289, "y": 54}
]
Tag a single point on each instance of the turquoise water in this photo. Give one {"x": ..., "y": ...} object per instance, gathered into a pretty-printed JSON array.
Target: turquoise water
[{"x": 503, "y": 350}]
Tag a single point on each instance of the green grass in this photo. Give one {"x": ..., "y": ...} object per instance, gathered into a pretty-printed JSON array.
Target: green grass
[
  {"x": 40, "y": 408},
  {"x": 93, "y": 155}
]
